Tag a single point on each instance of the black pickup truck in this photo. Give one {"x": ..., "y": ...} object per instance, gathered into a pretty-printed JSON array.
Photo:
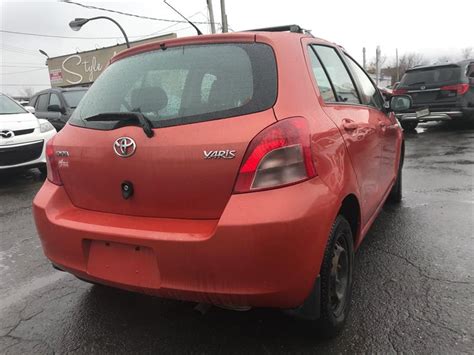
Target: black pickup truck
[{"x": 439, "y": 92}]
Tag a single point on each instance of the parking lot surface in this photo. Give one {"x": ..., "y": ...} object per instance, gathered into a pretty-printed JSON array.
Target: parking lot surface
[{"x": 413, "y": 283}]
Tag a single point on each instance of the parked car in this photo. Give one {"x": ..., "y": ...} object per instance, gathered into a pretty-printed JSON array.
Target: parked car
[
  {"x": 439, "y": 93},
  {"x": 23, "y": 102},
  {"x": 252, "y": 187},
  {"x": 57, "y": 104},
  {"x": 23, "y": 137}
]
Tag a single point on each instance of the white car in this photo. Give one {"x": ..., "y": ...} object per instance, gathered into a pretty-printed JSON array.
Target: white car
[{"x": 23, "y": 137}]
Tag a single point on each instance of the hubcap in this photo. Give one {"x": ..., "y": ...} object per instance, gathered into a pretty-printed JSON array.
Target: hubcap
[{"x": 339, "y": 279}]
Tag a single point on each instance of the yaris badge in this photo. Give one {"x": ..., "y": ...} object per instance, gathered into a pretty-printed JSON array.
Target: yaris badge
[{"x": 124, "y": 147}]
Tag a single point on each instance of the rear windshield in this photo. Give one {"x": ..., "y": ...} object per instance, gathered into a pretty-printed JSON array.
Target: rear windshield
[
  {"x": 73, "y": 97},
  {"x": 182, "y": 85},
  {"x": 431, "y": 76}
]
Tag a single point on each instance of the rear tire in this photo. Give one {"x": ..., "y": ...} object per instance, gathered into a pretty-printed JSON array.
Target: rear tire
[
  {"x": 409, "y": 125},
  {"x": 396, "y": 193},
  {"x": 336, "y": 279}
]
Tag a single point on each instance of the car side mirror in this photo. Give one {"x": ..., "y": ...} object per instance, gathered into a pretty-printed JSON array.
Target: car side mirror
[
  {"x": 30, "y": 109},
  {"x": 55, "y": 108},
  {"x": 399, "y": 103}
]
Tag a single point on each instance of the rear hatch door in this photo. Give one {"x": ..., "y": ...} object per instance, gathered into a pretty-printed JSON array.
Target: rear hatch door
[{"x": 206, "y": 103}]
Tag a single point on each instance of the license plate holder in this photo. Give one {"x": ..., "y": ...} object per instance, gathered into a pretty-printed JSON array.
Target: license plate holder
[
  {"x": 422, "y": 113},
  {"x": 125, "y": 264}
]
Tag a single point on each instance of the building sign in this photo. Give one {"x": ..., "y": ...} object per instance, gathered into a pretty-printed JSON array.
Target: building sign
[
  {"x": 56, "y": 76},
  {"x": 83, "y": 68}
]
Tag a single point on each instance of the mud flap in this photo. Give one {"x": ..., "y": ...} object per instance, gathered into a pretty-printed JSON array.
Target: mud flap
[{"x": 311, "y": 307}]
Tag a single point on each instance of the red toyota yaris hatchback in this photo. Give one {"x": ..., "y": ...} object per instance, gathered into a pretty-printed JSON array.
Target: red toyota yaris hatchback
[{"x": 240, "y": 170}]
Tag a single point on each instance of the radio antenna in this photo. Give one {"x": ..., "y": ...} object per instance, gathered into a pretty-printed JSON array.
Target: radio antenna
[{"x": 180, "y": 14}]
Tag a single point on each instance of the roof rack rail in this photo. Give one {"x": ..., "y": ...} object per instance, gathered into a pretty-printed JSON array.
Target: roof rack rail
[{"x": 290, "y": 28}]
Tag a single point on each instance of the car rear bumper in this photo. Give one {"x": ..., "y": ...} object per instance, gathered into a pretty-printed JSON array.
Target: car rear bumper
[
  {"x": 265, "y": 250},
  {"x": 433, "y": 116},
  {"x": 439, "y": 115}
]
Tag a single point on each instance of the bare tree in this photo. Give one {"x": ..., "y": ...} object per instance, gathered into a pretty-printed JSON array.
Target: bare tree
[
  {"x": 466, "y": 53},
  {"x": 410, "y": 60},
  {"x": 371, "y": 67},
  {"x": 27, "y": 92},
  {"x": 444, "y": 59}
]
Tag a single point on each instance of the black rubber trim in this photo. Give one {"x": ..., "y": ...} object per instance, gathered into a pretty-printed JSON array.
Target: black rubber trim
[{"x": 311, "y": 307}]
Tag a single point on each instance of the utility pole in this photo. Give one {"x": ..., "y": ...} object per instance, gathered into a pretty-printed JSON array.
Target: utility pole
[
  {"x": 211, "y": 16},
  {"x": 398, "y": 65},
  {"x": 363, "y": 59},
  {"x": 377, "y": 65},
  {"x": 224, "y": 17}
]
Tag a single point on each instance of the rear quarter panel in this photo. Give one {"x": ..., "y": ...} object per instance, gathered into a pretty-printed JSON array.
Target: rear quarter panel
[{"x": 298, "y": 95}]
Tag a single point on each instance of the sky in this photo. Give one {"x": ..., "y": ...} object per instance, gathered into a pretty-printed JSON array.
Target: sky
[{"x": 420, "y": 26}]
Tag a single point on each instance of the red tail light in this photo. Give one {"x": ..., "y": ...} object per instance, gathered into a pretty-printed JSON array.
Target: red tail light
[
  {"x": 461, "y": 89},
  {"x": 400, "y": 91},
  {"x": 52, "y": 164},
  {"x": 279, "y": 155}
]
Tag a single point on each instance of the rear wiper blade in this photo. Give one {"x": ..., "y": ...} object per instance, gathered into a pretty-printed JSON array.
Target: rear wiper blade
[{"x": 139, "y": 117}]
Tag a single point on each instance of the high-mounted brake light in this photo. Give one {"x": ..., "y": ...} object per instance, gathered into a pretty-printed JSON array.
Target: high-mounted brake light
[
  {"x": 279, "y": 155},
  {"x": 52, "y": 164},
  {"x": 400, "y": 91},
  {"x": 461, "y": 89}
]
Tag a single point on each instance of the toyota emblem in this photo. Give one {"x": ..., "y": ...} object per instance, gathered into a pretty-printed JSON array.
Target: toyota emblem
[
  {"x": 124, "y": 147},
  {"x": 7, "y": 134},
  {"x": 423, "y": 87}
]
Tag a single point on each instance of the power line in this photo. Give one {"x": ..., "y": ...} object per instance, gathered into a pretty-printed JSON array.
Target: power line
[
  {"x": 20, "y": 52},
  {"x": 90, "y": 38},
  {"x": 21, "y": 66},
  {"x": 85, "y": 38},
  {"x": 2, "y": 84},
  {"x": 164, "y": 29},
  {"x": 21, "y": 72},
  {"x": 130, "y": 14},
  {"x": 59, "y": 36},
  {"x": 16, "y": 48}
]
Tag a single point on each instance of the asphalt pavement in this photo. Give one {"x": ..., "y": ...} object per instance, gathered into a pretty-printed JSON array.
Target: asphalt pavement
[{"x": 413, "y": 283}]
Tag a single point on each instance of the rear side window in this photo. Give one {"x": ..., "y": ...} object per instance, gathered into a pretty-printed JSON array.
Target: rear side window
[
  {"x": 187, "y": 84},
  {"x": 370, "y": 94},
  {"x": 322, "y": 79},
  {"x": 338, "y": 74},
  {"x": 42, "y": 103},
  {"x": 431, "y": 76}
]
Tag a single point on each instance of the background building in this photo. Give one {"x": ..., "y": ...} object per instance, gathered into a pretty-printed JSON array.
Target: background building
[{"x": 83, "y": 68}]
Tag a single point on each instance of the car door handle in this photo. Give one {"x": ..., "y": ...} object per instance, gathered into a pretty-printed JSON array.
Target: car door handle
[{"x": 349, "y": 125}]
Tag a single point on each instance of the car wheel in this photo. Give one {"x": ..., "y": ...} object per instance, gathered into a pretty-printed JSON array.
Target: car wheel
[
  {"x": 409, "y": 125},
  {"x": 336, "y": 279},
  {"x": 395, "y": 195}
]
